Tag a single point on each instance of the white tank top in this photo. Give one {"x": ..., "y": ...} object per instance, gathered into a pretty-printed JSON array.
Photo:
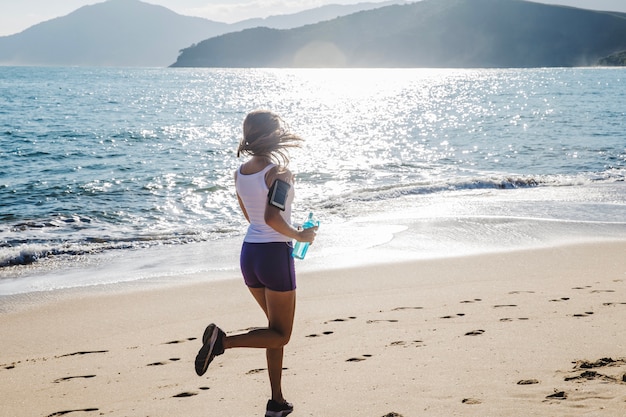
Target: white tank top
[{"x": 253, "y": 190}]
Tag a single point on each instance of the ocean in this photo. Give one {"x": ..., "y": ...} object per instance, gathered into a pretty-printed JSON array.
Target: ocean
[{"x": 113, "y": 175}]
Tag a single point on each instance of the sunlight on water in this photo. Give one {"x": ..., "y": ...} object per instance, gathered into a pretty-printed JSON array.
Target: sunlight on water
[{"x": 144, "y": 157}]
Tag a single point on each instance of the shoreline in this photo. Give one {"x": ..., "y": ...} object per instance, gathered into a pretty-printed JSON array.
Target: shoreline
[
  {"x": 411, "y": 227},
  {"x": 453, "y": 336},
  {"x": 387, "y": 253}
]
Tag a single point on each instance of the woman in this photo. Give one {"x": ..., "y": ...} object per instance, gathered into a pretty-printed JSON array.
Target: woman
[{"x": 266, "y": 256}]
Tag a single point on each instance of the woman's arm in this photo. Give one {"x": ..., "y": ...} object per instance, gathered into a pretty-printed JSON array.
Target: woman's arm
[{"x": 275, "y": 220}]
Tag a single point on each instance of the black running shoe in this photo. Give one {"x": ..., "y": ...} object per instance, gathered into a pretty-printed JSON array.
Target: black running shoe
[
  {"x": 275, "y": 409},
  {"x": 211, "y": 347}
]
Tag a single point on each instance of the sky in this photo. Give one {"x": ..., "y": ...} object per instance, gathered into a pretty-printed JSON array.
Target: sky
[{"x": 18, "y": 15}]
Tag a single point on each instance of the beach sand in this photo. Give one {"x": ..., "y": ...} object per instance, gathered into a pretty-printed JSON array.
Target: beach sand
[{"x": 526, "y": 333}]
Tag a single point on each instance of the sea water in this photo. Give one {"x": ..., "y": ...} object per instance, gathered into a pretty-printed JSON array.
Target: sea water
[{"x": 120, "y": 174}]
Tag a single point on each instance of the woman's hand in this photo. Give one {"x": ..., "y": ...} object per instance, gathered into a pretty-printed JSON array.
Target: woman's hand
[{"x": 307, "y": 235}]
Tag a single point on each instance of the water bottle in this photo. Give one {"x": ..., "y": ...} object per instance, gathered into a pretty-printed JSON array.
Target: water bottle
[{"x": 299, "y": 250}]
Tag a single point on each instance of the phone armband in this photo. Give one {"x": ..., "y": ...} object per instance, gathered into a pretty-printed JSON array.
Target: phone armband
[{"x": 277, "y": 195}]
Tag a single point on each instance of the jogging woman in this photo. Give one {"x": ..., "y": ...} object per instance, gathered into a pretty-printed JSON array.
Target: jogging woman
[{"x": 266, "y": 258}]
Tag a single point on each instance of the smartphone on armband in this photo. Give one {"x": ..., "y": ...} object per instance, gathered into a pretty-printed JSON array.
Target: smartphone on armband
[{"x": 277, "y": 195}]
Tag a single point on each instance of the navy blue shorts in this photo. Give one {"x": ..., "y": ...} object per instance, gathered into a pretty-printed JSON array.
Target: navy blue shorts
[{"x": 268, "y": 265}]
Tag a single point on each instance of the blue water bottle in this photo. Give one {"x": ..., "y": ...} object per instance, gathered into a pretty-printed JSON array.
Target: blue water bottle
[{"x": 299, "y": 250}]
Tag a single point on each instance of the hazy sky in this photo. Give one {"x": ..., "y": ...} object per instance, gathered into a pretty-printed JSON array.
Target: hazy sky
[{"x": 17, "y": 15}]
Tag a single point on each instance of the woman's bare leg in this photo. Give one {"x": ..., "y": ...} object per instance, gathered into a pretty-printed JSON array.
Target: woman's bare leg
[
  {"x": 275, "y": 372},
  {"x": 279, "y": 307}
]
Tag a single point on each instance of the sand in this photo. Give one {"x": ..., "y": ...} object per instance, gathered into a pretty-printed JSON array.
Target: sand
[{"x": 527, "y": 333}]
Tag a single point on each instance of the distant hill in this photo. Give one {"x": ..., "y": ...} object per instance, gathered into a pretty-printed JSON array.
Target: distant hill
[
  {"x": 116, "y": 32},
  {"x": 307, "y": 17},
  {"x": 431, "y": 33},
  {"x": 133, "y": 33},
  {"x": 614, "y": 60}
]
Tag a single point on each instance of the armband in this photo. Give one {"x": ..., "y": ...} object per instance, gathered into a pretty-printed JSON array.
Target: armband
[{"x": 278, "y": 194}]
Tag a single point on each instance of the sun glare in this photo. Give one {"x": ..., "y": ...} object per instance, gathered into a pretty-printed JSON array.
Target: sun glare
[{"x": 319, "y": 55}]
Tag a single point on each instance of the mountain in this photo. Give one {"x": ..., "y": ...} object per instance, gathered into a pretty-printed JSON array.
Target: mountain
[
  {"x": 431, "y": 33},
  {"x": 614, "y": 60},
  {"x": 116, "y": 32},
  {"x": 311, "y": 16},
  {"x": 132, "y": 33}
]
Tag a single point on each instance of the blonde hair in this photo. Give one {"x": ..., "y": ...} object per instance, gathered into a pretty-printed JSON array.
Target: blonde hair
[{"x": 265, "y": 134}]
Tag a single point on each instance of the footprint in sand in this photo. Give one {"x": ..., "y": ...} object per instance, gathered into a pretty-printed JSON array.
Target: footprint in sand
[
  {"x": 558, "y": 395},
  {"x": 475, "y": 333},
  {"x": 68, "y": 378},
  {"x": 340, "y": 320},
  {"x": 600, "y": 363},
  {"x": 591, "y": 375},
  {"x": 416, "y": 343},
  {"x": 475, "y": 300},
  {"x": 185, "y": 394},
  {"x": 471, "y": 401},
  {"x": 558, "y": 300},
  {"x": 527, "y": 382},
  {"x": 83, "y": 410},
  {"x": 81, "y": 353},
  {"x": 175, "y": 342},
  {"x": 584, "y": 371},
  {"x": 319, "y": 335},
  {"x": 259, "y": 370},
  {"x": 359, "y": 359},
  {"x": 163, "y": 363},
  {"x": 454, "y": 316},
  {"x": 382, "y": 321}
]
